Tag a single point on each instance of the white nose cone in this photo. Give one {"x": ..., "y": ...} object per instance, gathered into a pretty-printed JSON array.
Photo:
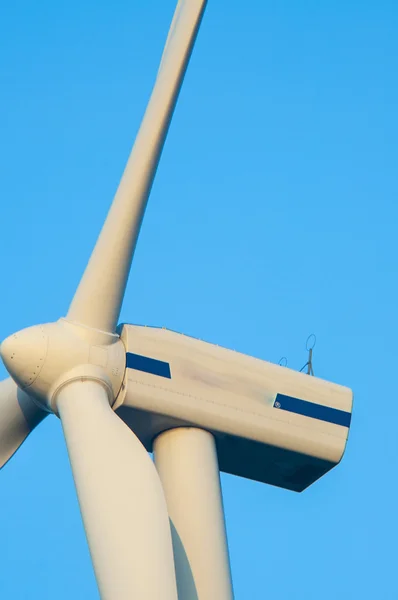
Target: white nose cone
[{"x": 24, "y": 353}]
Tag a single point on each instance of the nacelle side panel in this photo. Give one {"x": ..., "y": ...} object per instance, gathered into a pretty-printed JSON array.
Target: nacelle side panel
[{"x": 271, "y": 424}]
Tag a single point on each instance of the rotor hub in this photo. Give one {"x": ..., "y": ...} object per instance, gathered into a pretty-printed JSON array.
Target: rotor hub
[
  {"x": 42, "y": 358},
  {"x": 24, "y": 354}
]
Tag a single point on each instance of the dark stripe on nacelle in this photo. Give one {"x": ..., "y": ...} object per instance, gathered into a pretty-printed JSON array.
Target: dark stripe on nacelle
[
  {"x": 148, "y": 365},
  {"x": 312, "y": 410}
]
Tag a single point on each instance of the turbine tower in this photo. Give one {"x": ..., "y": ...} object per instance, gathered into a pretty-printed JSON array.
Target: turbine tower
[{"x": 121, "y": 391}]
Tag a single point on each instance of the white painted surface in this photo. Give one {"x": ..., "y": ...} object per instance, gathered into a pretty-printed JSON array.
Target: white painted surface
[
  {"x": 186, "y": 459},
  {"x": 232, "y": 395},
  {"x": 19, "y": 415},
  {"x": 120, "y": 496},
  {"x": 99, "y": 296},
  {"x": 41, "y": 357}
]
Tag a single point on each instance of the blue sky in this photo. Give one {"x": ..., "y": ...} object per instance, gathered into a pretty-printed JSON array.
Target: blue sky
[{"x": 273, "y": 215}]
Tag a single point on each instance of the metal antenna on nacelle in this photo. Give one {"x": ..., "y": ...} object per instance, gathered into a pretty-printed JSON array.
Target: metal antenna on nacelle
[{"x": 310, "y": 345}]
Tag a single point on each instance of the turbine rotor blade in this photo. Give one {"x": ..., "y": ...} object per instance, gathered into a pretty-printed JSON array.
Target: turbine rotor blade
[
  {"x": 121, "y": 498},
  {"x": 19, "y": 415},
  {"x": 99, "y": 297}
]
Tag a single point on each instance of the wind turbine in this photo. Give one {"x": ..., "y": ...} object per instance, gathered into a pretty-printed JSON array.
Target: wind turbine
[{"x": 159, "y": 533}]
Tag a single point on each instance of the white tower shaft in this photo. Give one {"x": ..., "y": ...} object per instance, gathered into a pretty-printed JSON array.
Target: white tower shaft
[{"x": 186, "y": 459}]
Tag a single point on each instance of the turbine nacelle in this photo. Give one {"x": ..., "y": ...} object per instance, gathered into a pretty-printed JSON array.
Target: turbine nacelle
[{"x": 44, "y": 358}]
